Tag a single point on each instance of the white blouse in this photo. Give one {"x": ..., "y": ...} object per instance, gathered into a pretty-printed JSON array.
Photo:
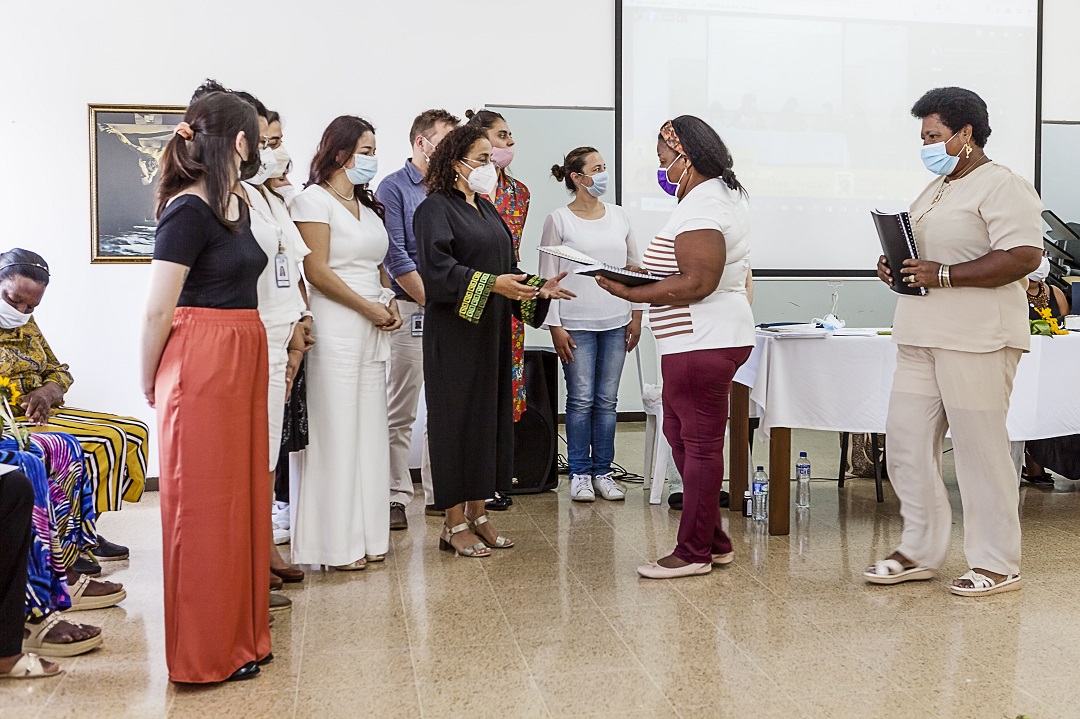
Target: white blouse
[
  {"x": 357, "y": 247},
  {"x": 608, "y": 240}
]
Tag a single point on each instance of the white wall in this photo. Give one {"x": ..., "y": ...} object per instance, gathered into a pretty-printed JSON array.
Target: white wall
[
  {"x": 311, "y": 61},
  {"x": 1061, "y": 60}
]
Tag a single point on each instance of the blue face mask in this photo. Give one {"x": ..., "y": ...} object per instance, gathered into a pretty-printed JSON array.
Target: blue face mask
[
  {"x": 938, "y": 160},
  {"x": 363, "y": 170},
  {"x": 665, "y": 184},
  {"x": 599, "y": 184}
]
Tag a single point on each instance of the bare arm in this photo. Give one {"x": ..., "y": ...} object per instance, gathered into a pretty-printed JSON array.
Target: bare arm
[
  {"x": 701, "y": 255},
  {"x": 1062, "y": 300},
  {"x": 750, "y": 285},
  {"x": 317, "y": 270},
  {"x": 166, "y": 281},
  {"x": 413, "y": 286}
]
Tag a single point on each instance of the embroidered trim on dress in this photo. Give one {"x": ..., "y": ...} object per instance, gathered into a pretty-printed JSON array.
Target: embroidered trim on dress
[
  {"x": 476, "y": 297},
  {"x": 528, "y": 307}
]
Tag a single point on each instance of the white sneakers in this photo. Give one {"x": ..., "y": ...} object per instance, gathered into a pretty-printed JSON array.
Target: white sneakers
[
  {"x": 584, "y": 488},
  {"x": 279, "y": 511},
  {"x": 608, "y": 488},
  {"x": 581, "y": 488}
]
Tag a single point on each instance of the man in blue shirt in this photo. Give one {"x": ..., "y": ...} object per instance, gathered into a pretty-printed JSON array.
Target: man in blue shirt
[{"x": 401, "y": 193}]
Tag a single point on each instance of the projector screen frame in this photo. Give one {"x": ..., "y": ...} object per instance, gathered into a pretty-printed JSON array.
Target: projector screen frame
[{"x": 802, "y": 273}]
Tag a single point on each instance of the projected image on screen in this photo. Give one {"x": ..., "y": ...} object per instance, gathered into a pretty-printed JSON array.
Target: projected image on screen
[{"x": 813, "y": 98}]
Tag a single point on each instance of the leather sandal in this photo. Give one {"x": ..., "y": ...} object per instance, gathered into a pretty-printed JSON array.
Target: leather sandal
[
  {"x": 352, "y": 566},
  {"x": 500, "y": 542},
  {"x": 477, "y": 550},
  {"x": 36, "y": 642},
  {"x": 80, "y": 601}
]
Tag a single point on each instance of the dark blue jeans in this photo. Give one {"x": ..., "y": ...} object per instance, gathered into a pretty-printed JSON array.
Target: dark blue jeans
[{"x": 592, "y": 390}]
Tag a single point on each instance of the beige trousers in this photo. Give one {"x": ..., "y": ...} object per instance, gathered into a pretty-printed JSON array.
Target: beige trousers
[
  {"x": 404, "y": 380},
  {"x": 936, "y": 390}
]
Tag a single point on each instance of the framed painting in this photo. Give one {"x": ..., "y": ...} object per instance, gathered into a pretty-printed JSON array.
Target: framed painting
[{"x": 126, "y": 145}]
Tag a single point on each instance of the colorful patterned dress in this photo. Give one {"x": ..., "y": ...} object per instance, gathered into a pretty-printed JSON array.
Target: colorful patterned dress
[
  {"x": 58, "y": 533},
  {"x": 512, "y": 202}
]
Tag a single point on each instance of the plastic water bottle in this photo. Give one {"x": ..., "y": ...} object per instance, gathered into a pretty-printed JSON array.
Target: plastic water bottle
[
  {"x": 761, "y": 494},
  {"x": 802, "y": 488}
]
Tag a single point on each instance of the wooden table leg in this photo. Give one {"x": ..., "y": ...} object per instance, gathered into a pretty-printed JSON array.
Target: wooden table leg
[
  {"x": 779, "y": 480},
  {"x": 739, "y": 448}
]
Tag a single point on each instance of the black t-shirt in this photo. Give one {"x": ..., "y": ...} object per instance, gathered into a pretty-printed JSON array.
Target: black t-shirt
[{"x": 225, "y": 267}]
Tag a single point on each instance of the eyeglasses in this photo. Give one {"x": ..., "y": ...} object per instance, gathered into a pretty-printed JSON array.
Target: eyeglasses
[{"x": 272, "y": 142}]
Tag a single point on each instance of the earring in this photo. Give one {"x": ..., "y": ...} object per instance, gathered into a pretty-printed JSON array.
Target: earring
[{"x": 968, "y": 148}]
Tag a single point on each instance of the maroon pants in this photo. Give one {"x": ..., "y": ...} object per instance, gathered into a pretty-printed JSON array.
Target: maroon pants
[{"x": 696, "y": 390}]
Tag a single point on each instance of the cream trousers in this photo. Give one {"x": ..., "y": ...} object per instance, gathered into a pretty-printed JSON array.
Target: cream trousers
[{"x": 934, "y": 391}]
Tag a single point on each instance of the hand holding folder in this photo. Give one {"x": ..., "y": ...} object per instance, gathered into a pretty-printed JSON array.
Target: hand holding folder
[{"x": 897, "y": 244}]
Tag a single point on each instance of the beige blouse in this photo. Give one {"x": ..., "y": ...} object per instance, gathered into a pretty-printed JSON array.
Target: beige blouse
[{"x": 992, "y": 208}]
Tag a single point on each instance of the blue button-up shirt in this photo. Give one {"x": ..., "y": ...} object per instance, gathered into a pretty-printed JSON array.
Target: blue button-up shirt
[{"x": 400, "y": 193}]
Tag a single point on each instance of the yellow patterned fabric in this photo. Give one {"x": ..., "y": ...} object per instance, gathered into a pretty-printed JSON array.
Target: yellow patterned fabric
[
  {"x": 476, "y": 297},
  {"x": 528, "y": 308},
  {"x": 27, "y": 359}
]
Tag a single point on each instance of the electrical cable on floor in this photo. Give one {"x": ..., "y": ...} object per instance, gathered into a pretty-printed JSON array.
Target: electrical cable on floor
[{"x": 618, "y": 471}]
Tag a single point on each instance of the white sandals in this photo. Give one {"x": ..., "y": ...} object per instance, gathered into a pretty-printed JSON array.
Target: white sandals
[
  {"x": 36, "y": 641},
  {"x": 890, "y": 571},
  {"x": 982, "y": 586},
  {"x": 30, "y": 666},
  {"x": 80, "y": 601}
]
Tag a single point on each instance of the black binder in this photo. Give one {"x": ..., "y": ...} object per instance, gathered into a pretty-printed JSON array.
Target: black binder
[{"x": 898, "y": 244}]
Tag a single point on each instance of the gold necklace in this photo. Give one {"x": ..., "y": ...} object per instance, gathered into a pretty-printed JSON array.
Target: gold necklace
[
  {"x": 347, "y": 199},
  {"x": 980, "y": 163},
  {"x": 946, "y": 184}
]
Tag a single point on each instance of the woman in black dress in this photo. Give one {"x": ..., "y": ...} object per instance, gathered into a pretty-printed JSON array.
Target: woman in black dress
[{"x": 473, "y": 289}]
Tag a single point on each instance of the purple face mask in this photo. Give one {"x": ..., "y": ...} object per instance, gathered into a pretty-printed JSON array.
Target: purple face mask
[{"x": 665, "y": 184}]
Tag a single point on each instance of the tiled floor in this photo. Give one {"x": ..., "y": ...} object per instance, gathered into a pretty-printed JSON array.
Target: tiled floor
[{"x": 562, "y": 626}]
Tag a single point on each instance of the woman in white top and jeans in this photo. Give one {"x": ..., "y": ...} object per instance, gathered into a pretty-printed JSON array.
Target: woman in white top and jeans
[
  {"x": 593, "y": 333},
  {"x": 701, "y": 319}
]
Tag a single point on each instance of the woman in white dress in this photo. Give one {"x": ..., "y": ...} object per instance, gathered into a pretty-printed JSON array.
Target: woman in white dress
[{"x": 343, "y": 502}]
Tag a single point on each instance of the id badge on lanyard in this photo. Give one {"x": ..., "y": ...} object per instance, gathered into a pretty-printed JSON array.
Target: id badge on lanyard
[
  {"x": 281, "y": 267},
  {"x": 416, "y": 324}
]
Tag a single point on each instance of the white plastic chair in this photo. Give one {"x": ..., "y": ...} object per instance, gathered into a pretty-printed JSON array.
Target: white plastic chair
[{"x": 657, "y": 450}]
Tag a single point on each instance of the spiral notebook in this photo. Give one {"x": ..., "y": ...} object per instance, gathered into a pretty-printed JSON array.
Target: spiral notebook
[
  {"x": 593, "y": 268},
  {"x": 898, "y": 244}
]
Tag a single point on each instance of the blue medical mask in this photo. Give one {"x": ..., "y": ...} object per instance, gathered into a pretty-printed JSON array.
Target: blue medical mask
[
  {"x": 938, "y": 160},
  {"x": 665, "y": 184},
  {"x": 363, "y": 170},
  {"x": 599, "y": 184}
]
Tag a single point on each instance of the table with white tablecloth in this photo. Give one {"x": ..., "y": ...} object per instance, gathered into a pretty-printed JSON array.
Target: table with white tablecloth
[{"x": 842, "y": 384}]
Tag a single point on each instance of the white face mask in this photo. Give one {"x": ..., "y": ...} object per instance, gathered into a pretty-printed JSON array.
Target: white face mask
[
  {"x": 482, "y": 179},
  {"x": 284, "y": 162},
  {"x": 288, "y": 192},
  {"x": 267, "y": 166},
  {"x": 10, "y": 317}
]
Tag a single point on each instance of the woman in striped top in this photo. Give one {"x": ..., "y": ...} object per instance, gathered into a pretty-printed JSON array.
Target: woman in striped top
[{"x": 702, "y": 322}]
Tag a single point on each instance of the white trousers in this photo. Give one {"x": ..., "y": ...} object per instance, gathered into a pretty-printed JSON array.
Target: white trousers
[
  {"x": 343, "y": 499},
  {"x": 278, "y": 337},
  {"x": 405, "y": 379},
  {"x": 934, "y": 391}
]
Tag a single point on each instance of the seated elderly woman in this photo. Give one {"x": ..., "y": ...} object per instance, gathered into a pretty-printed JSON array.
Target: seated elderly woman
[{"x": 115, "y": 447}]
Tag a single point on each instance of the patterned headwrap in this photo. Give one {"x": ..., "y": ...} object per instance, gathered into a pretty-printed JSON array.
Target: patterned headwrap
[{"x": 671, "y": 138}]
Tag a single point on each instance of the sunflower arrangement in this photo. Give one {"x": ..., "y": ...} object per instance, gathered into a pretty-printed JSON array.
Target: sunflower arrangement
[
  {"x": 10, "y": 394},
  {"x": 1046, "y": 325}
]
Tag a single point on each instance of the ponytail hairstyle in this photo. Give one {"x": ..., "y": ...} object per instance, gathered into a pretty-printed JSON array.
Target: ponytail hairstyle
[
  {"x": 573, "y": 162},
  {"x": 337, "y": 145},
  {"x": 203, "y": 149},
  {"x": 705, "y": 150},
  {"x": 485, "y": 119}
]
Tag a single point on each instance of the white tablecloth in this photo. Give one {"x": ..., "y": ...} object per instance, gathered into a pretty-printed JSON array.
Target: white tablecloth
[{"x": 843, "y": 384}]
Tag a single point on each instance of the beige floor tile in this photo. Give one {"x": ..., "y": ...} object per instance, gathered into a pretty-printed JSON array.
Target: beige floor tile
[
  {"x": 399, "y": 700},
  {"x": 615, "y": 692},
  {"x": 335, "y": 668},
  {"x": 218, "y": 704},
  {"x": 508, "y": 694}
]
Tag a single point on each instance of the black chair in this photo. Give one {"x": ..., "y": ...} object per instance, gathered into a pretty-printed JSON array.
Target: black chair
[{"x": 878, "y": 459}]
